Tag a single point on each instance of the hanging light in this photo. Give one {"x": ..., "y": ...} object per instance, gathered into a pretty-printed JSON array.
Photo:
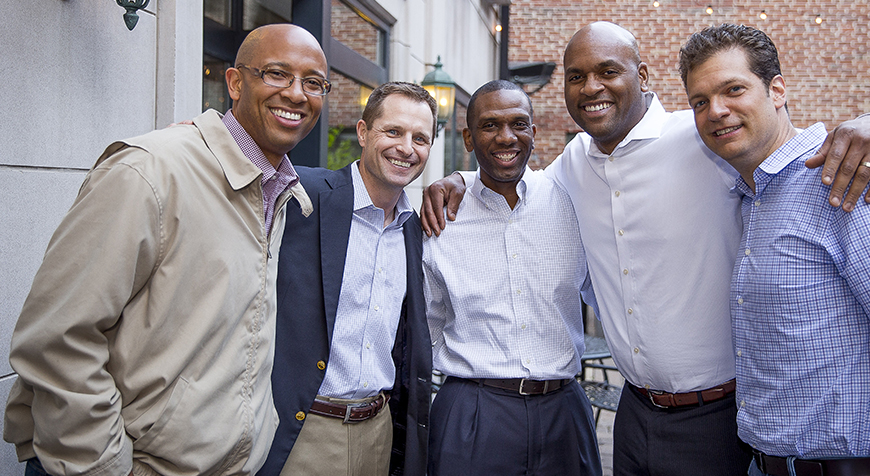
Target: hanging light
[
  {"x": 656, "y": 3},
  {"x": 763, "y": 15},
  {"x": 818, "y": 19},
  {"x": 709, "y": 9}
]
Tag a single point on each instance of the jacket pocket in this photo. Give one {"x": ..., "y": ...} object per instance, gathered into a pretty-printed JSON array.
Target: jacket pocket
[{"x": 165, "y": 417}]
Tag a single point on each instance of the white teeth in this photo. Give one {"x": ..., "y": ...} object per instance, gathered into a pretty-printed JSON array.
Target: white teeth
[
  {"x": 505, "y": 157},
  {"x": 293, "y": 116},
  {"x": 725, "y": 131},
  {"x": 400, "y": 163},
  {"x": 598, "y": 107}
]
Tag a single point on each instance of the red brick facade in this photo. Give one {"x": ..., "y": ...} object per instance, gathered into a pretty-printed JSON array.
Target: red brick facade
[{"x": 825, "y": 65}]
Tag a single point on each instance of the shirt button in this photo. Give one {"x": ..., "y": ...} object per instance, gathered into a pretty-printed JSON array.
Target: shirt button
[
  {"x": 514, "y": 256},
  {"x": 368, "y": 345},
  {"x": 757, "y": 203},
  {"x": 630, "y": 311},
  {"x": 519, "y": 292},
  {"x": 523, "y": 327},
  {"x": 321, "y": 364},
  {"x": 610, "y": 158},
  {"x": 621, "y": 232},
  {"x": 365, "y": 384},
  {"x": 646, "y": 386},
  {"x": 617, "y": 193},
  {"x": 300, "y": 416},
  {"x": 739, "y": 353},
  {"x": 636, "y": 350},
  {"x": 740, "y": 300},
  {"x": 746, "y": 252},
  {"x": 742, "y": 403},
  {"x": 377, "y": 308},
  {"x": 528, "y": 361},
  {"x": 624, "y": 271}
]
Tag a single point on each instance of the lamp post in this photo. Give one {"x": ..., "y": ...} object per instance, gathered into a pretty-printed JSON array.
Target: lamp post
[
  {"x": 131, "y": 17},
  {"x": 441, "y": 87}
]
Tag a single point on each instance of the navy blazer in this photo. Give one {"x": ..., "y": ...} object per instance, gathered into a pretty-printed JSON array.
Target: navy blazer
[{"x": 310, "y": 270}]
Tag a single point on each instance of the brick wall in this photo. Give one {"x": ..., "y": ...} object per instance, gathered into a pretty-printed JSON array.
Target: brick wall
[{"x": 825, "y": 66}]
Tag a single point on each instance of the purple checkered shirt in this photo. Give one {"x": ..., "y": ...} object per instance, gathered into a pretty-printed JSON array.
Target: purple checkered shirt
[{"x": 273, "y": 181}]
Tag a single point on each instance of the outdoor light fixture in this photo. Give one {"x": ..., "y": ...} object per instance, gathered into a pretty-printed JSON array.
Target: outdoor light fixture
[
  {"x": 131, "y": 17},
  {"x": 443, "y": 89},
  {"x": 762, "y": 15},
  {"x": 656, "y": 3},
  {"x": 709, "y": 9},
  {"x": 818, "y": 19}
]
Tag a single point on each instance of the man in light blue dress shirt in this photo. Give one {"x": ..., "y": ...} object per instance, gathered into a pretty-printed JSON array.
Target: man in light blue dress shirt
[
  {"x": 800, "y": 289},
  {"x": 506, "y": 319}
]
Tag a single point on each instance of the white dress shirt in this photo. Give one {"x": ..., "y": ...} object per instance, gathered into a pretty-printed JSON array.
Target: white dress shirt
[
  {"x": 373, "y": 288},
  {"x": 662, "y": 229},
  {"x": 503, "y": 286}
]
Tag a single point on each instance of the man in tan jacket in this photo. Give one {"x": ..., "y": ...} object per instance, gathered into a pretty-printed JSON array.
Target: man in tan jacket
[{"x": 146, "y": 343}]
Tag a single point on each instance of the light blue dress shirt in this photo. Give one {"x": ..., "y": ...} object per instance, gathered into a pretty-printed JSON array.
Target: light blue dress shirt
[
  {"x": 370, "y": 303},
  {"x": 800, "y": 302},
  {"x": 503, "y": 286}
]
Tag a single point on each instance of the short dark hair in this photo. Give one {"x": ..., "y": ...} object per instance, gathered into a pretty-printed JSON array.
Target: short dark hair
[
  {"x": 760, "y": 51},
  {"x": 375, "y": 105},
  {"x": 492, "y": 86}
]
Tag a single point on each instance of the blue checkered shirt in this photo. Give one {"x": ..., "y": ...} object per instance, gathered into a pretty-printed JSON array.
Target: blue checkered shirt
[{"x": 800, "y": 305}]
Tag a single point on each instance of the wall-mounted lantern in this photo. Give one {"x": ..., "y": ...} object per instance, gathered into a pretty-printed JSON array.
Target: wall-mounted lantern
[
  {"x": 131, "y": 17},
  {"x": 443, "y": 89}
]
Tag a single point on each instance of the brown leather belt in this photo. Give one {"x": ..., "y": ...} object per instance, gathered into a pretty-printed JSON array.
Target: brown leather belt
[
  {"x": 671, "y": 400},
  {"x": 523, "y": 386},
  {"x": 778, "y": 466},
  {"x": 351, "y": 412}
]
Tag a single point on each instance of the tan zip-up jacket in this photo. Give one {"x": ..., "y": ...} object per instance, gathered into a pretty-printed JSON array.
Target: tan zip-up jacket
[{"x": 147, "y": 338}]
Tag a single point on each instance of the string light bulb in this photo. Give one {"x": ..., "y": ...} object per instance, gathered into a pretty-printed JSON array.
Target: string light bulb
[
  {"x": 498, "y": 27},
  {"x": 763, "y": 15},
  {"x": 818, "y": 19},
  {"x": 656, "y": 3},
  {"x": 709, "y": 9}
]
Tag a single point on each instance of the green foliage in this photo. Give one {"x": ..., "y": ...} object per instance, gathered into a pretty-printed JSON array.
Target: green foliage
[{"x": 341, "y": 150}]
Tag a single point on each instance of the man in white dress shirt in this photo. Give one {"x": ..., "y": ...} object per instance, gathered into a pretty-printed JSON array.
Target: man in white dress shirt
[{"x": 506, "y": 321}]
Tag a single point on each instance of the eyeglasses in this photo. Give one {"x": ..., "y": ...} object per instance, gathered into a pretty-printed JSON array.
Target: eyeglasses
[{"x": 282, "y": 79}]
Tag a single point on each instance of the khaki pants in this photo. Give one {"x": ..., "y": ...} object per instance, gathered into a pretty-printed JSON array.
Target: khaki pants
[{"x": 327, "y": 446}]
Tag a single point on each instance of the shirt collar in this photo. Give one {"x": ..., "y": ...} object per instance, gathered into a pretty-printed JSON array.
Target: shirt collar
[
  {"x": 806, "y": 141},
  {"x": 649, "y": 127},
  {"x": 255, "y": 154},
  {"x": 484, "y": 193},
  {"x": 362, "y": 200}
]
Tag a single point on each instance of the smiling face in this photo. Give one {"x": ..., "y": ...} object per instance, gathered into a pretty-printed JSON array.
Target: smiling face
[
  {"x": 502, "y": 136},
  {"x": 276, "y": 118},
  {"x": 737, "y": 117},
  {"x": 395, "y": 147},
  {"x": 604, "y": 83}
]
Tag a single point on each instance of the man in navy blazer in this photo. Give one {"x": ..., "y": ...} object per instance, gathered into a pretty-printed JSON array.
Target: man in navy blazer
[{"x": 352, "y": 335}]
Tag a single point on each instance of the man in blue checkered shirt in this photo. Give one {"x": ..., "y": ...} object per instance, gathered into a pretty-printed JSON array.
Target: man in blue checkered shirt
[{"x": 801, "y": 284}]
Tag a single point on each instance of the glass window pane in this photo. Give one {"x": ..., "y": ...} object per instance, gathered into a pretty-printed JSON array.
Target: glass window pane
[
  {"x": 264, "y": 12},
  {"x": 357, "y": 33},
  {"x": 219, "y": 11},
  {"x": 345, "y": 109},
  {"x": 214, "y": 88}
]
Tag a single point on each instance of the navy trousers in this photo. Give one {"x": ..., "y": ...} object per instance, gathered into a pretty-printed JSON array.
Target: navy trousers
[
  {"x": 482, "y": 430},
  {"x": 652, "y": 441}
]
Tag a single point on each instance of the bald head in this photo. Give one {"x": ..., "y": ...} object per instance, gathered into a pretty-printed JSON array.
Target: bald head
[
  {"x": 261, "y": 37},
  {"x": 604, "y": 32}
]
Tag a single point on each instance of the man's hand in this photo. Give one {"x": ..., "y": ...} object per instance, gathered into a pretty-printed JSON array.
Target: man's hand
[
  {"x": 446, "y": 191},
  {"x": 846, "y": 153}
]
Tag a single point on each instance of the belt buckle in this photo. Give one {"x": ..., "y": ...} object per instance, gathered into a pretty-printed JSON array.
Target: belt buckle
[
  {"x": 651, "y": 393},
  {"x": 348, "y": 408},
  {"x": 522, "y": 384}
]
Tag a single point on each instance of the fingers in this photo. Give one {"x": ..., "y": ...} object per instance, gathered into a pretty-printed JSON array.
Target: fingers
[
  {"x": 432, "y": 221},
  {"x": 860, "y": 178},
  {"x": 846, "y": 150}
]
